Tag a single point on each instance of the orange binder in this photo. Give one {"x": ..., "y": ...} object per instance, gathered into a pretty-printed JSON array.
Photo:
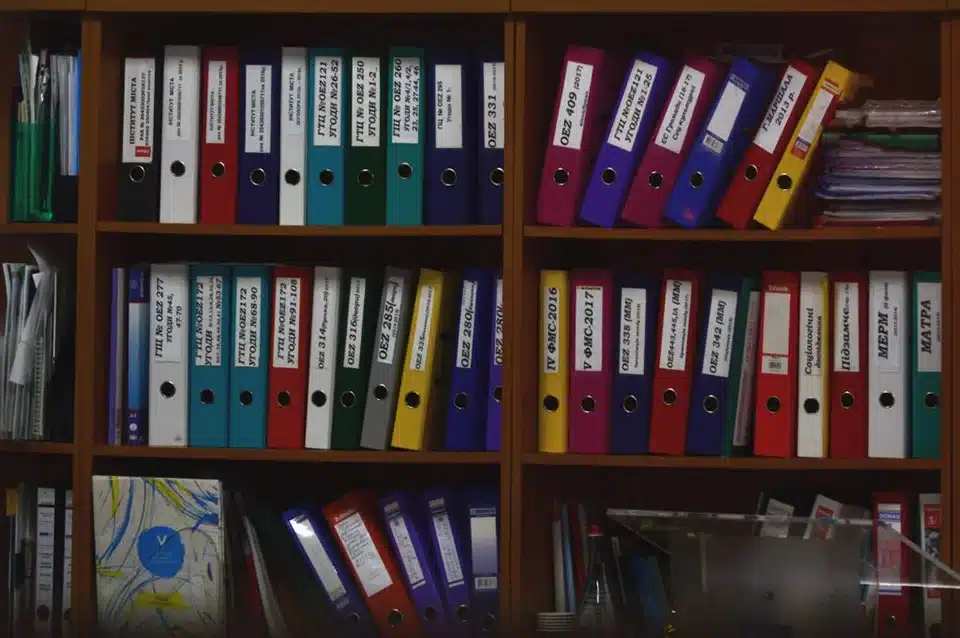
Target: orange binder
[
  {"x": 776, "y": 394},
  {"x": 359, "y": 533}
]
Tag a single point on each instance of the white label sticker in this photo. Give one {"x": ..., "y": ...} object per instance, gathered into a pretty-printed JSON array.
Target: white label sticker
[
  {"x": 259, "y": 112},
  {"x": 551, "y": 330},
  {"x": 216, "y": 120},
  {"x": 448, "y": 105},
  {"x": 353, "y": 339},
  {"x": 846, "y": 327},
  {"x": 390, "y": 319},
  {"x": 208, "y": 338},
  {"x": 406, "y": 551},
  {"x": 928, "y": 327},
  {"x": 633, "y": 322},
  {"x": 742, "y": 428},
  {"x": 811, "y": 329},
  {"x": 421, "y": 331},
  {"x": 249, "y": 299},
  {"x": 493, "y": 104},
  {"x": 775, "y": 340},
  {"x": 169, "y": 315},
  {"x": 468, "y": 324},
  {"x": 294, "y": 103},
  {"x": 589, "y": 329},
  {"x": 449, "y": 556},
  {"x": 810, "y": 126},
  {"x": 326, "y": 297},
  {"x": 676, "y": 122},
  {"x": 365, "y": 101},
  {"x": 781, "y": 108},
  {"x": 498, "y": 326},
  {"x": 633, "y": 103},
  {"x": 887, "y": 324},
  {"x": 676, "y": 325},
  {"x": 725, "y": 114},
  {"x": 406, "y": 100},
  {"x": 286, "y": 323},
  {"x": 181, "y": 79},
  {"x": 572, "y": 110},
  {"x": 138, "y": 106},
  {"x": 719, "y": 337},
  {"x": 363, "y": 555},
  {"x": 317, "y": 555},
  {"x": 327, "y": 98}
]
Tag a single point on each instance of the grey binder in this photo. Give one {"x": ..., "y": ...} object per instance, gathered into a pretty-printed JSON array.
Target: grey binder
[{"x": 393, "y": 326}]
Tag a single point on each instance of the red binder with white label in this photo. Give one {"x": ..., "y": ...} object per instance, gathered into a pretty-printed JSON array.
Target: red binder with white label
[
  {"x": 591, "y": 323},
  {"x": 219, "y": 135},
  {"x": 849, "y": 361},
  {"x": 892, "y": 509},
  {"x": 289, "y": 356}
]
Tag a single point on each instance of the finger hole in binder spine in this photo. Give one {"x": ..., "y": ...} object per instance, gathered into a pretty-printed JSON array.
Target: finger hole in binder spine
[
  {"x": 496, "y": 177},
  {"x": 326, "y": 177},
  {"x": 178, "y": 169},
  {"x": 318, "y": 398},
  {"x": 551, "y": 403},
  {"x": 931, "y": 400}
]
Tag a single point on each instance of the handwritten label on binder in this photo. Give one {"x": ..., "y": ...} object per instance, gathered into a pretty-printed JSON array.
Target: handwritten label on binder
[
  {"x": 572, "y": 110},
  {"x": 327, "y": 98},
  {"x": 886, "y": 306},
  {"x": 551, "y": 330},
  {"x": 719, "y": 338},
  {"x": 363, "y": 555},
  {"x": 676, "y": 325},
  {"x": 406, "y": 551},
  {"x": 928, "y": 327},
  {"x": 138, "y": 106},
  {"x": 286, "y": 323},
  {"x": 249, "y": 299},
  {"x": 181, "y": 82},
  {"x": 258, "y": 111},
  {"x": 633, "y": 103},
  {"x": 589, "y": 329},
  {"x": 390, "y": 319},
  {"x": 811, "y": 329},
  {"x": 293, "y": 68},
  {"x": 448, "y": 105},
  {"x": 353, "y": 340},
  {"x": 725, "y": 114},
  {"x": 326, "y": 294},
  {"x": 498, "y": 327},
  {"x": 775, "y": 337},
  {"x": 633, "y": 322},
  {"x": 813, "y": 119},
  {"x": 208, "y": 317},
  {"x": 169, "y": 321},
  {"x": 493, "y": 105},
  {"x": 781, "y": 108},
  {"x": 216, "y": 102},
  {"x": 319, "y": 558},
  {"x": 468, "y": 324},
  {"x": 365, "y": 101},
  {"x": 683, "y": 101},
  {"x": 449, "y": 557},
  {"x": 405, "y": 114},
  {"x": 846, "y": 327},
  {"x": 421, "y": 332}
]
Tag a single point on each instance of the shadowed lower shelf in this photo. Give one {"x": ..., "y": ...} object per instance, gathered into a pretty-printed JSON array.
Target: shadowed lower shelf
[
  {"x": 744, "y": 463},
  {"x": 243, "y": 230},
  {"x": 300, "y": 456},
  {"x": 851, "y": 233}
]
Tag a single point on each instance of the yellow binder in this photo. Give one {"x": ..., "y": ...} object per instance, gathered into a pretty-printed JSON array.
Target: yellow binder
[
  {"x": 415, "y": 427},
  {"x": 836, "y": 85},
  {"x": 554, "y": 359}
]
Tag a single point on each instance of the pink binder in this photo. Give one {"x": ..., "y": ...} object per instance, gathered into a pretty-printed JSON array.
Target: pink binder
[{"x": 592, "y": 323}]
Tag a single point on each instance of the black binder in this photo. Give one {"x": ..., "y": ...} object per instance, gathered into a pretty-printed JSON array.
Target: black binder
[{"x": 138, "y": 185}]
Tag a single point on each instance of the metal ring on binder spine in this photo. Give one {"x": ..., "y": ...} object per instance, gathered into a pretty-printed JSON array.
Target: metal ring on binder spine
[
  {"x": 561, "y": 177},
  {"x": 326, "y": 177},
  {"x": 448, "y": 177},
  {"x": 669, "y": 396},
  {"x": 460, "y": 401},
  {"x": 218, "y": 170},
  {"x": 206, "y": 396},
  {"x": 931, "y": 400},
  {"x": 380, "y": 392},
  {"x": 405, "y": 171},
  {"x": 846, "y": 400},
  {"x": 551, "y": 403},
  {"x": 496, "y": 176},
  {"x": 137, "y": 173},
  {"x": 412, "y": 400},
  {"x": 167, "y": 389},
  {"x": 258, "y": 177},
  {"x": 283, "y": 398},
  {"x": 177, "y": 168},
  {"x": 887, "y": 400}
]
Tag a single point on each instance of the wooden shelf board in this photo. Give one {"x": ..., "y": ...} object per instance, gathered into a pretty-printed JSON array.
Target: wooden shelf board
[
  {"x": 729, "y": 235},
  {"x": 715, "y": 6},
  {"x": 299, "y": 6},
  {"x": 300, "y": 456},
  {"x": 241, "y": 230},
  {"x": 714, "y": 463},
  {"x": 37, "y": 228},
  {"x": 36, "y": 447}
]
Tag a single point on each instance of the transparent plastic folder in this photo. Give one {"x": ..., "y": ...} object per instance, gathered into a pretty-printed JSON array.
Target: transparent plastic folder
[{"x": 743, "y": 576}]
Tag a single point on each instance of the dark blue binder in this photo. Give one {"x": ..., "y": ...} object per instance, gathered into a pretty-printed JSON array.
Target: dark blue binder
[
  {"x": 484, "y": 526},
  {"x": 258, "y": 181},
  {"x": 491, "y": 140}
]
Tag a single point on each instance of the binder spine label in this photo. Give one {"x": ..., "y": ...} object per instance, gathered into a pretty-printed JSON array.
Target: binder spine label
[
  {"x": 294, "y": 70},
  {"x": 169, "y": 317},
  {"x": 208, "y": 320},
  {"x": 811, "y": 331},
  {"x": 354, "y": 336},
  {"x": 932, "y": 519},
  {"x": 719, "y": 337},
  {"x": 928, "y": 327},
  {"x": 676, "y": 325},
  {"x": 327, "y": 290},
  {"x": 775, "y": 340},
  {"x": 589, "y": 327},
  {"x": 359, "y": 547},
  {"x": 448, "y": 93},
  {"x": 182, "y": 74},
  {"x": 365, "y": 115},
  {"x": 741, "y": 428},
  {"x": 317, "y": 555},
  {"x": 572, "y": 109},
  {"x": 406, "y": 551},
  {"x": 483, "y": 548},
  {"x": 468, "y": 324},
  {"x": 286, "y": 323},
  {"x": 493, "y": 104},
  {"x": 258, "y": 126},
  {"x": 725, "y": 114},
  {"x": 633, "y": 102},
  {"x": 498, "y": 327},
  {"x": 551, "y": 330},
  {"x": 633, "y": 320},
  {"x": 406, "y": 100},
  {"x": 216, "y": 102},
  {"x": 249, "y": 294},
  {"x": 810, "y": 126},
  {"x": 449, "y": 557},
  {"x": 327, "y": 87},
  {"x": 390, "y": 321},
  {"x": 676, "y": 124},
  {"x": 846, "y": 322},
  {"x": 887, "y": 325},
  {"x": 889, "y": 548},
  {"x": 421, "y": 332},
  {"x": 140, "y": 84},
  {"x": 781, "y": 108}
]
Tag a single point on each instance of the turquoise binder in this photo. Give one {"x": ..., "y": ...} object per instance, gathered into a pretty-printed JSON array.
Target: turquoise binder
[
  {"x": 250, "y": 356},
  {"x": 926, "y": 358},
  {"x": 325, "y": 141},
  {"x": 210, "y": 339},
  {"x": 405, "y": 135}
]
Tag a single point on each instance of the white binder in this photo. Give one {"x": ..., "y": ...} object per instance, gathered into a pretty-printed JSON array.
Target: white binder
[
  {"x": 323, "y": 356},
  {"x": 293, "y": 136},
  {"x": 169, "y": 342},
  {"x": 44, "y": 576},
  {"x": 179, "y": 144},
  {"x": 888, "y": 434},
  {"x": 812, "y": 398}
]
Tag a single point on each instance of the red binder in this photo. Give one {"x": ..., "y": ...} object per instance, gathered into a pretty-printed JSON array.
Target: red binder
[
  {"x": 220, "y": 135},
  {"x": 359, "y": 534},
  {"x": 893, "y": 565},
  {"x": 289, "y": 356},
  {"x": 776, "y": 394},
  {"x": 675, "y": 134},
  {"x": 673, "y": 377},
  {"x": 759, "y": 162},
  {"x": 588, "y": 85},
  {"x": 849, "y": 361},
  {"x": 591, "y": 323}
]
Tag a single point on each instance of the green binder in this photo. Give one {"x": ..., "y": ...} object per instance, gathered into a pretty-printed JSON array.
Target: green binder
[
  {"x": 35, "y": 154},
  {"x": 927, "y": 332},
  {"x": 895, "y": 141},
  {"x": 405, "y": 134},
  {"x": 365, "y": 155},
  {"x": 748, "y": 312}
]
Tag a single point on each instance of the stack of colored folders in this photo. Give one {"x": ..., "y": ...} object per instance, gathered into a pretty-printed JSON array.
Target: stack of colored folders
[{"x": 883, "y": 166}]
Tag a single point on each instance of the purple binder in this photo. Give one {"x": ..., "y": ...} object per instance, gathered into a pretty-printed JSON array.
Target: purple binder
[
  {"x": 490, "y": 125},
  {"x": 258, "y": 185},
  {"x": 484, "y": 525},
  {"x": 495, "y": 384},
  {"x": 451, "y": 550}
]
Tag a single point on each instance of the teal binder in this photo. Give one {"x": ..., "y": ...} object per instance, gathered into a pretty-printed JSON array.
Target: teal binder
[
  {"x": 210, "y": 341},
  {"x": 926, "y": 366},
  {"x": 249, "y": 356},
  {"x": 405, "y": 135},
  {"x": 325, "y": 141}
]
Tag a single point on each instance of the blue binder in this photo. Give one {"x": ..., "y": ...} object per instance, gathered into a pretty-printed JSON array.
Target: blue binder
[
  {"x": 637, "y": 306},
  {"x": 210, "y": 338},
  {"x": 447, "y": 537},
  {"x": 491, "y": 140},
  {"x": 467, "y": 408},
  {"x": 249, "y": 360},
  {"x": 325, "y": 191},
  {"x": 450, "y": 179},
  {"x": 727, "y": 132},
  {"x": 484, "y": 557},
  {"x": 258, "y": 180}
]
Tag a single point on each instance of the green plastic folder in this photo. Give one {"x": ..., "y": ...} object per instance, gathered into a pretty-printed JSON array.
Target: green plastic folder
[
  {"x": 365, "y": 152},
  {"x": 35, "y": 154},
  {"x": 896, "y": 141},
  {"x": 927, "y": 332},
  {"x": 405, "y": 133},
  {"x": 748, "y": 308}
]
